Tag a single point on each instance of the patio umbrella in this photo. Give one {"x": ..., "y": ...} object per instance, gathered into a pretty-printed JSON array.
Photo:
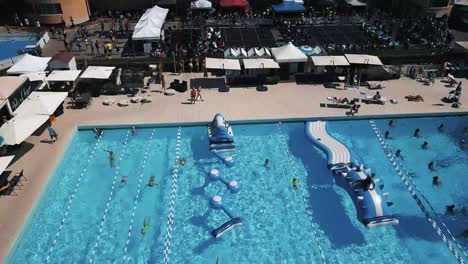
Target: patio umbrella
[
  {"x": 41, "y": 103},
  {"x": 308, "y": 50},
  {"x": 18, "y": 129}
]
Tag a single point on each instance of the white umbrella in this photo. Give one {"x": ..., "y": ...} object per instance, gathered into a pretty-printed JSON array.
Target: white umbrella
[
  {"x": 41, "y": 103},
  {"x": 20, "y": 128},
  {"x": 4, "y": 162}
]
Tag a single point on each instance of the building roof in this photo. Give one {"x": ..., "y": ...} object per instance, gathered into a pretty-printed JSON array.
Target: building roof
[
  {"x": 9, "y": 84},
  {"x": 64, "y": 56}
]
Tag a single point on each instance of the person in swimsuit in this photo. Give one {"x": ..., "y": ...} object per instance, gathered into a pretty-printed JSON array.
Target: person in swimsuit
[
  {"x": 152, "y": 182},
  {"x": 111, "y": 158},
  {"x": 146, "y": 226},
  {"x": 295, "y": 183}
]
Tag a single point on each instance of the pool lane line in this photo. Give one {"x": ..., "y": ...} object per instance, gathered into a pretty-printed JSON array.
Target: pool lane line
[
  {"x": 111, "y": 195},
  {"x": 137, "y": 196},
  {"x": 412, "y": 188},
  {"x": 71, "y": 199},
  {"x": 170, "y": 216},
  {"x": 304, "y": 198}
]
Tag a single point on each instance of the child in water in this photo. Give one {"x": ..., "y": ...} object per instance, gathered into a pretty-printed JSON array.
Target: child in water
[
  {"x": 152, "y": 182},
  {"x": 267, "y": 163},
  {"x": 146, "y": 226},
  {"x": 295, "y": 183}
]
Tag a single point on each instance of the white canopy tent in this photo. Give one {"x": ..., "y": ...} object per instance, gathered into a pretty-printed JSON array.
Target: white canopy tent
[
  {"x": 261, "y": 53},
  {"x": 35, "y": 76},
  {"x": 222, "y": 64},
  {"x": 356, "y": 3},
  {"x": 19, "y": 128},
  {"x": 4, "y": 162},
  {"x": 260, "y": 64},
  {"x": 41, "y": 103},
  {"x": 201, "y": 4},
  {"x": 329, "y": 61},
  {"x": 235, "y": 53},
  {"x": 63, "y": 76},
  {"x": 97, "y": 72},
  {"x": 288, "y": 53},
  {"x": 29, "y": 64},
  {"x": 363, "y": 59},
  {"x": 150, "y": 24}
]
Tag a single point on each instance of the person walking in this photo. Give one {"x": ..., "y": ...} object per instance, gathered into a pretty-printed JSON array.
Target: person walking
[
  {"x": 72, "y": 22},
  {"x": 102, "y": 24},
  {"x": 96, "y": 45},
  {"x": 163, "y": 84},
  {"x": 199, "y": 94},
  {"x": 193, "y": 94},
  {"x": 92, "y": 50},
  {"x": 52, "y": 133}
]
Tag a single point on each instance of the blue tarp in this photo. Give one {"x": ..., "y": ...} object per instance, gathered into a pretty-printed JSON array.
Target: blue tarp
[{"x": 289, "y": 7}]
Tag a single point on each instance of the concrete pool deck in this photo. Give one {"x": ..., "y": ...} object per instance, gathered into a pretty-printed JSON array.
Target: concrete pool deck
[{"x": 283, "y": 101}]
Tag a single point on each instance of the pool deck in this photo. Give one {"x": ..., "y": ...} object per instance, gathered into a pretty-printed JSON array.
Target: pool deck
[{"x": 283, "y": 101}]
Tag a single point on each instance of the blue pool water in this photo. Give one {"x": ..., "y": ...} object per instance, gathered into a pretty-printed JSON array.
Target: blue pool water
[
  {"x": 277, "y": 227},
  {"x": 11, "y": 43}
]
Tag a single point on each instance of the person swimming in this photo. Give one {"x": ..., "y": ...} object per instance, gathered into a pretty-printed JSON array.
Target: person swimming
[
  {"x": 134, "y": 131},
  {"x": 124, "y": 180},
  {"x": 450, "y": 209},
  {"x": 146, "y": 226},
  {"x": 431, "y": 166},
  {"x": 295, "y": 183},
  {"x": 436, "y": 181},
  {"x": 416, "y": 132},
  {"x": 152, "y": 182},
  {"x": 398, "y": 153},
  {"x": 111, "y": 158},
  {"x": 425, "y": 145},
  {"x": 441, "y": 128},
  {"x": 391, "y": 123},
  {"x": 182, "y": 162},
  {"x": 267, "y": 163},
  {"x": 387, "y": 135},
  {"x": 98, "y": 132}
]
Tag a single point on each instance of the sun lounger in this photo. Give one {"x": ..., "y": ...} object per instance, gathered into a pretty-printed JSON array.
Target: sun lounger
[
  {"x": 169, "y": 92},
  {"x": 136, "y": 99},
  {"x": 336, "y": 105},
  {"x": 123, "y": 103},
  {"x": 108, "y": 101}
]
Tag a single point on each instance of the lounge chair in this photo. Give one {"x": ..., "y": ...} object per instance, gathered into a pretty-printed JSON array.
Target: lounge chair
[
  {"x": 169, "y": 92},
  {"x": 136, "y": 99},
  {"x": 108, "y": 101},
  {"x": 123, "y": 103},
  {"x": 15, "y": 182}
]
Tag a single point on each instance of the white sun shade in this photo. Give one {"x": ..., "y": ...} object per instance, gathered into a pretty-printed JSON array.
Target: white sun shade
[
  {"x": 19, "y": 128},
  {"x": 260, "y": 64},
  {"x": 329, "y": 61},
  {"x": 97, "y": 72},
  {"x": 28, "y": 64},
  {"x": 222, "y": 64},
  {"x": 4, "y": 162},
  {"x": 41, "y": 103},
  {"x": 63, "y": 76},
  {"x": 363, "y": 59}
]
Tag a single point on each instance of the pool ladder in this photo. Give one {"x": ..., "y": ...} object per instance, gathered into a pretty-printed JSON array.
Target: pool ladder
[{"x": 414, "y": 191}]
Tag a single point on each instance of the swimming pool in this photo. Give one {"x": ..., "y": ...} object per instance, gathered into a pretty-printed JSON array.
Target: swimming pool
[
  {"x": 11, "y": 43},
  {"x": 87, "y": 215}
]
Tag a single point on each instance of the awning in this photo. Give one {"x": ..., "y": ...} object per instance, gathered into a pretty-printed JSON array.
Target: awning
[
  {"x": 329, "y": 61},
  {"x": 363, "y": 59},
  {"x": 222, "y": 64},
  {"x": 35, "y": 76},
  {"x": 63, "y": 76},
  {"x": 97, "y": 72},
  {"x": 28, "y": 64},
  {"x": 9, "y": 85},
  {"x": 19, "y": 128},
  {"x": 289, "y": 6},
  {"x": 4, "y": 162},
  {"x": 260, "y": 64},
  {"x": 150, "y": 24},
  {"x": 288, "y": 53},
  {"x": 201, "y": 4},
  {"x": 41, "y": 103}
]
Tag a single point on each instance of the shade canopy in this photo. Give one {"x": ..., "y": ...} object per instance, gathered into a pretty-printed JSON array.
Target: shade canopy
[
  {"x": 201, "y": 4},
  {"x": 19, "y": 128},
  {"x": 260, "y": 64},
  {"x": 288, "y": 53},
  {"x": 222, "y": 64},
  {"x": 329, "y": 61},
  {"x": 41, "y": 103},
  {"x": 63, "y": 76},
  {"x": 29, "y": 64},
  {"x": 355, "y": 3},
  {"x": 97, "y": 72},
  {"x": 261, "y": 52},
  {"x": 244, "y": 4},
  {"x": 4, "y": 162},
  {"x": 289, "y": 6},
  {"x": 235, "y": 53},
  {"x": 363, "y": 59},
  {"x": 9, "y": 85},
  {"x": 150, "y": 24},
  {"x": 35, "y": 76}
]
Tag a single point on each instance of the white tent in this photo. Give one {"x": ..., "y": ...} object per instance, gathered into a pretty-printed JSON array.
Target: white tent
[
  {"x": 261, "y": 52},
  {"x": 150, "y": 24},
  {"x": 29, "y": 64},
  {"x": 201, "y": 4},
  {"x": 363, "y": 59},
  {"x": 97, "y": 72},
  {"x": 235, "y": 53},
  {"x": 329, "y": 61},
  {"x": 288, "y": 53},
  {"x": 19, "y": 128},
  {"x": 355, "y": 3},
  {"x": 222, "y": 64},
  {"x": 63, "y": 76},
  {"x": 4, "y": 162},
  {"x": 260, "y": 64},
  {"x": 35, "y": 76},
  {"x": 41, "y": 103}
]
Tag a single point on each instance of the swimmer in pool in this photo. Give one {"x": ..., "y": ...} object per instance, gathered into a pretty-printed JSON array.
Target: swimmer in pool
[
  {"x": 124, "y": 180},
  {"x": 398, "y": 153},
  {"x": 266, "y": 164},
  {"x": 450, "y": 209},
  {"x": 425, "y": 145},
  {"x": 441, "y": 128},
  {"x": 111, "y": 158},
  {"x": 391, "y": 123},
  {"x": 146, "y": 226},
  {"x": 152, "y": 182},
  {"x": 295, "y": 183},
  {"x": 416, "y": 132},
  {"x": 134, "y": 131},
  {"x": 182, "y": 162},
  {"x": 431, "y": 166},
  {"x": 98, "y": 132},
  {"x": 436, "y": 181},
  {"x": 387, "y": 135}
]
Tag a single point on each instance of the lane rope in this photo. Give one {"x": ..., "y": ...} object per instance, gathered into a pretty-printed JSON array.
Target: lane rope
[
  {"x": 71, "y": 199},
  {"x": 137, "y": 196},
  {"x": 304, "y": 198},
  {"x": 170, "y": 216},
  {"x": 413, "y": 189},
  {"x": 111, "y": 195}
]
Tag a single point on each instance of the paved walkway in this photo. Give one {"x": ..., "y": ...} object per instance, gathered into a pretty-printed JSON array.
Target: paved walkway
[{"x": 286, "y": 100}]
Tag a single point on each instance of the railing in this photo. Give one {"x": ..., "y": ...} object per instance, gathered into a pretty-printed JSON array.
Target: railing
[{"x": 307, "y": 207}]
